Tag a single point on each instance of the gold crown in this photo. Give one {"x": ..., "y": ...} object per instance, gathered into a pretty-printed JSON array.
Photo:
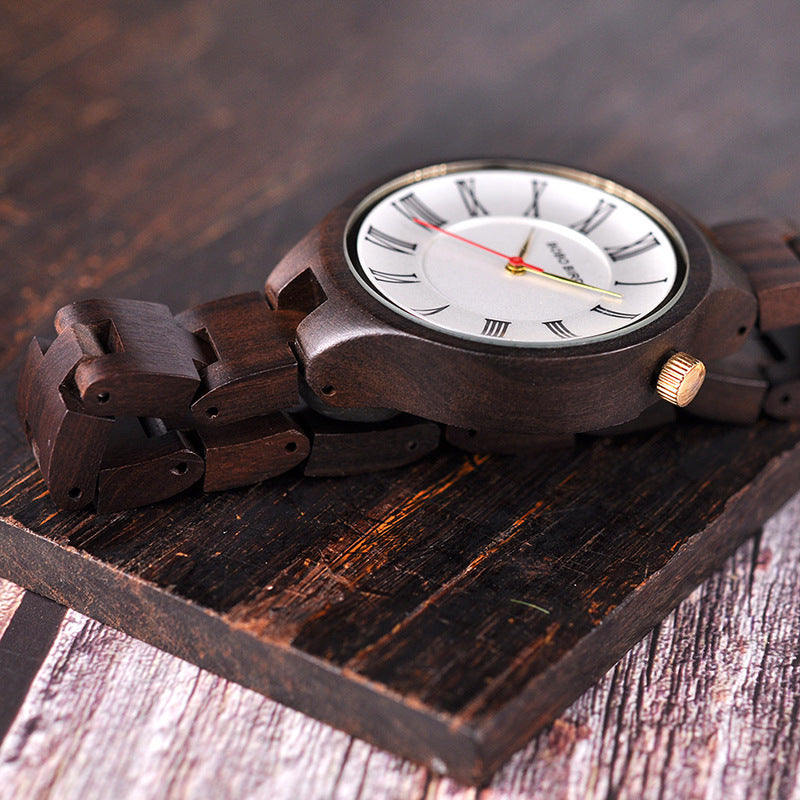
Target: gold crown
[{"x": 680, "y": 379}]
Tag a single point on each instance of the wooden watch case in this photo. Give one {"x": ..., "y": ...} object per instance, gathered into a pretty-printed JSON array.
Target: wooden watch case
[{"x": 356, "y": 353}]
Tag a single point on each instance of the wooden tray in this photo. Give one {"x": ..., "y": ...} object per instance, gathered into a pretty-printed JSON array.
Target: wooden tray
[{"x": 446, "y": 611}]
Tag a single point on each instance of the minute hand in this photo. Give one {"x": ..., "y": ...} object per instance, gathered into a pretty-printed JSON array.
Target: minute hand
[
  {"x": 543, "y": 274},
  {"x": 517, "y": 261}
]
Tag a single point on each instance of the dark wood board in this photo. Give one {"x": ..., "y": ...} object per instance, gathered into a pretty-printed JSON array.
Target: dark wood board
[{"x": 445, "y": 611}]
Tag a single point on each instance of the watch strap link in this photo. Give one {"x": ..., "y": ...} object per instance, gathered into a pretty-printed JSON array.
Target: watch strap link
[
  {"x": 130, "y": 405},
  {"x": 767, "y": 250},
  {"x": 763, "y": 377}
]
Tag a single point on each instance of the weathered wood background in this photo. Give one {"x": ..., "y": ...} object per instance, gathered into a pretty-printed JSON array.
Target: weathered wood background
[{"x": 141, "y": 149}]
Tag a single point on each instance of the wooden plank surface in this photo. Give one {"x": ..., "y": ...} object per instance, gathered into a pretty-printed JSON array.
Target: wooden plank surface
[
  {"x": 28, "y": 636},
  {"x": 446, "y": 611},
  {"x": 10, "y": 598},
  {"x": 705, "y": 706},
  {"x": 141, "y": 150}
]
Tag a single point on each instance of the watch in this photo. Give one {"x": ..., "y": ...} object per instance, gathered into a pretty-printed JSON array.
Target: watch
[{"x": 498, "y": 305}]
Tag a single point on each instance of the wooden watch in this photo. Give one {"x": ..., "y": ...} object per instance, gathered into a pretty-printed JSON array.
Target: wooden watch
[{"x": 500, "y": 305}]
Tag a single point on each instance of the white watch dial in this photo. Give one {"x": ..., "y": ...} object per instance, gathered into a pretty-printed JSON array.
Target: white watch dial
[{"x": 529, "y": 256}]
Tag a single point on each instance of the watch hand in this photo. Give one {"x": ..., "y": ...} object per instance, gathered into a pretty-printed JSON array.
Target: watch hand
[
  {"x": 513, "y": 268},
  {"x": 516, "y": 260},
  {"x": 524, "y": 267},
  {"x": 517, "y": 263}
]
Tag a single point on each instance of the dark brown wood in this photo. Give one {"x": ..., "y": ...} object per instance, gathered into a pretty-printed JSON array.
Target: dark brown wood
[
  {"x": 352, "y": 448},
  {"x": 106, "y": 350},
  {"x": 730, "y": 398},
  {"x": 506, "y": 442},
  {"x": 144, "y": 466},
  {"x": 67, "y": 443},
  {"x": 81, "y": 394},
  {"x": 658, "y": 415},
  {"x": 762, "y": 248},
  {"x": 783, "y": 372},
  {"x": 255, "y": 370},
  {"x": 783, "y": 401},
  {"x": 735, "y": 387},
  {"x": 485, "y": 386},
  {"x": 446, "y": 612},
  {"x": 147, "y": 368},
  {"x": 246, "y": 452},
  {"x": 761, "y": 378}
]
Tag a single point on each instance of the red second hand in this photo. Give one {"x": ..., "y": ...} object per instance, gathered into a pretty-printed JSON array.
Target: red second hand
[{"x": 515, "y": 260}]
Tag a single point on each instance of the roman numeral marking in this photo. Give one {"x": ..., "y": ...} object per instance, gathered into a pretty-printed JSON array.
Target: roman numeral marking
[
  {"x": 609, "y": 312},
  {"x": 495, "y": 327},
  {"x": 466, "y": 188},
  {"x": 558, "y": 327},
  {"x": 598, "y": 216},
  {"x": 639, "y": 283},
  {"x": 389, "y": 242},
  {"x": 537, "y": 188},
  {"x": 412, "y": 207},
  {"x": 395, "y": 277},
  {"x": 647, "y": 242},
  {"x": 429, "y": 312}
]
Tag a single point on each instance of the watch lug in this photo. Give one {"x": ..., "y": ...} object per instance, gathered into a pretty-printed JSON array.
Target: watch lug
[
  {"x": 334, "y": 343},
  {"x": 726, "y": 314},
  {"x": 292, "y": 285}
]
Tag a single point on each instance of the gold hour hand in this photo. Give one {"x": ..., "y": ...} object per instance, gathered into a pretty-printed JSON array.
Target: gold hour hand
[{"x": 515, "y": 266}]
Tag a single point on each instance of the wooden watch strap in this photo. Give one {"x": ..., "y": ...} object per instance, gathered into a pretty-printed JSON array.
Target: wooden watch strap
[
  {"x": 763, "y": 378},
  {"x": 130, "y": 405},
  {"x": 767, "y": 250}
]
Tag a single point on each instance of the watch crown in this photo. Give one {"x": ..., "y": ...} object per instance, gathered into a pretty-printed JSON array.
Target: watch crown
[{"x": 680, "y": 379}]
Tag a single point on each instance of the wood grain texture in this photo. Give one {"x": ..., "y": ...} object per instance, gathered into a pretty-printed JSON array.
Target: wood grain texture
[
  {"x": 250, "y": 451},
  {"x": 344, "y": 448},
  {"x": 114, "y": 117},
  {"x": 766, "y": 249},
  {"x": 72, "y": 442},
  {"x": 254, "y": 372},
  {"x": 446, "y": 612},
  {"x": 25, "y": 643},
  {"x": 145, "y": 469},
  {"x": 146, "y": 361},
  {"x": 704, "y": 707},
  {"x": 10, "y": 597}
]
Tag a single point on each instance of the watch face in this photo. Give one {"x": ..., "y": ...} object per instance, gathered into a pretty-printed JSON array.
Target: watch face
[{"x": 516, "y": 254}]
